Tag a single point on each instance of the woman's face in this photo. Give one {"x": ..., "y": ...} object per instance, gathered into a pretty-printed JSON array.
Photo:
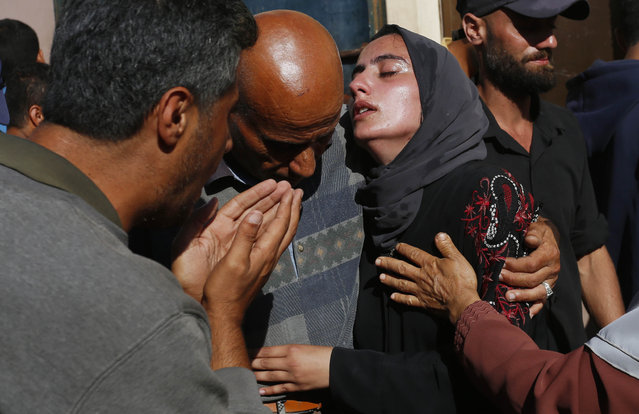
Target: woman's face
[{"x": 385, "y": 94}]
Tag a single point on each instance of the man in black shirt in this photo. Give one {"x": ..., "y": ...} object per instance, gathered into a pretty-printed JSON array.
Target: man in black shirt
[{"x": 542, "y": 145}]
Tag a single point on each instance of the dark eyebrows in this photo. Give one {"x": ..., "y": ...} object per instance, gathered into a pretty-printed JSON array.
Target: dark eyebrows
[{"x": 387, "y": 56}]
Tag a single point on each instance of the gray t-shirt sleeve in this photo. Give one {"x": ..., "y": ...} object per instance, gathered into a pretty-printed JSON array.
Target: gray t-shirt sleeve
[{"x": 169, "y": 372}]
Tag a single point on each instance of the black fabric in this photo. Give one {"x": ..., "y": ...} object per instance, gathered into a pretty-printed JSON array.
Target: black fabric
[
  {"x": 450, "y": 135},
  {"x": 409, "y": 365},
  {"x": 556, "y": 171}
]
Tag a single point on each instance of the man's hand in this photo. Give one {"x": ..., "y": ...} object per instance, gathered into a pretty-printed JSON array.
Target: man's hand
[
  {"x": 207, "y": 236},
  {"x": 233, "y": 282},
  {"x": 448, "y": 284},
  {"x": 292, "y": 367},
  {"x": 542, "y": 265},
  {"x": 251, "y": 257}
]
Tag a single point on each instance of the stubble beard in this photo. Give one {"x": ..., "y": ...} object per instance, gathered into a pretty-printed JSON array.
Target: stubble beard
[{"x": 174, "y": 206}]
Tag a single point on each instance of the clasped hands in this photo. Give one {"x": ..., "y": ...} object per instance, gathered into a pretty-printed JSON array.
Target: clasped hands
[{"x": 223, "y": 258}]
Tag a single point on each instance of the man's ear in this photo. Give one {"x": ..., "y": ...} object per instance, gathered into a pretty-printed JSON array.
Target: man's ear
[
  {"x": 475, "y": 29},
  {"x": 35, "y": 115},
  {"x": 173, "y": 115}
]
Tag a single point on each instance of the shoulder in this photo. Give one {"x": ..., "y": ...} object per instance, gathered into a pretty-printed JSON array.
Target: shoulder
[{"x": 558, "y": 116}]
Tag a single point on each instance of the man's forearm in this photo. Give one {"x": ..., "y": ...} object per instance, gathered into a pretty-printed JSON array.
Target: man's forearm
[
  {"x": 600, "y": 287},
  {"x": 227, "y": 343}
]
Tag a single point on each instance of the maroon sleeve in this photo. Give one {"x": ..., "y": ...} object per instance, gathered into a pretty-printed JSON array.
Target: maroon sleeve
[{"x": 506, "y": 364}]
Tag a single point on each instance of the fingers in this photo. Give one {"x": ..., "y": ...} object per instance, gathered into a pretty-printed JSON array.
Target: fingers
[
  {"x": 246, "y": 200},
  {"x": 400, "y": 284},
  {"x": 446, "y": 246},
  {"x": 399, "y": 267},
  {"x": 296, "y": 211},
  {"x": 279, "y": 363},
  {"x": 524, "y": 280},
  {"x": 536, "y": 308},
  {"x": 534, "y": 235},
  {"x": 274, "y": 234},
  {"x": 535, "y": 294},
  {"x": 542, "y": 265},
  {"x": 276, "y": 351},
  {"x": 415, "y": 255},
  {"x": 245, "y": 238},
  {"x": 278, "y": 389},
  {"x": 408, "y": 300},
  {"x": 266, "y": 203}
]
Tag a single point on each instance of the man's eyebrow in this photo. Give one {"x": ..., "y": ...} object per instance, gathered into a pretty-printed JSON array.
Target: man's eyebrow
[{"x": 377, "y": 59}]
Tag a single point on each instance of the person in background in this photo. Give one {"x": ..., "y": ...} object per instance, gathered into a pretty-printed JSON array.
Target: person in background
[
  {"x": 136, "y": 124},
  {"x": 18, "y": 46},
  {"x": 542, "y": 145},
  {"x": 601, "y": 376},
  {"x": 26, "y": 87},
  {"x": 605, "y": 101}
]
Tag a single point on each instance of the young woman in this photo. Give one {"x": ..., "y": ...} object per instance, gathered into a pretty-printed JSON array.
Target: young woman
[{"x": 418, "y": 125}]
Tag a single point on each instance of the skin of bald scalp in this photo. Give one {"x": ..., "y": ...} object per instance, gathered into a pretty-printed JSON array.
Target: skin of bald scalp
[{"x": 291, "y": 94}]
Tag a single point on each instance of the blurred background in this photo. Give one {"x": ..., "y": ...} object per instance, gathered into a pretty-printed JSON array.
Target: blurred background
[{"x": 351, "y": 22}]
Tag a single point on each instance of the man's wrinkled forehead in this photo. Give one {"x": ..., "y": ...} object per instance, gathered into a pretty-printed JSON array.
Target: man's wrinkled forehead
[{"x": 299, "y": 128}]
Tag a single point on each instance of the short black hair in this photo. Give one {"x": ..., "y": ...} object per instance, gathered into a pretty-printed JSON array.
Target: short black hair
[
  {"x": 26, "y": 87},
  {"x": 624, "y": 16},
  {"x": 18, "y": 45},
  {"x": 112, "y": 61}
]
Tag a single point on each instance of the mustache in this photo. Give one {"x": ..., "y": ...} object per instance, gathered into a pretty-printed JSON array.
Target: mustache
[{"x": 541, "y": 54}]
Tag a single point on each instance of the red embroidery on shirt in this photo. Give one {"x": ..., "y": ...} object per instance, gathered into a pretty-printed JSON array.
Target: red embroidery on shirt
[{"x": 496, "y": 219}]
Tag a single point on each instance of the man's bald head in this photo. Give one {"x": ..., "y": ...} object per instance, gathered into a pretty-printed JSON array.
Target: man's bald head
[{"x": 291, "y": 92}]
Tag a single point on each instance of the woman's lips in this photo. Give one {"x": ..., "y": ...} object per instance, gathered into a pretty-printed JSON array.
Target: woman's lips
[{"x": 362, "y": 109}]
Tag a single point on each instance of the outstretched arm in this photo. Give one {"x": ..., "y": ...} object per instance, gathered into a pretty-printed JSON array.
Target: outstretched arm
[
  {"x": 292, "y": 367},
  {"x": 500, "y": 358},
  {"x": 600, "y": 286}
]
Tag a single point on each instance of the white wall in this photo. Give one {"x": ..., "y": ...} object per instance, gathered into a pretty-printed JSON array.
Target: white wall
[
  {"x": 36, "y": 13},
  {"x": 420, "y": 16}
]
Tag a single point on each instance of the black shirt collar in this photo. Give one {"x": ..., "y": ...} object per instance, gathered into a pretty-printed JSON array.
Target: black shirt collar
[
  {"x": 47, "y": 167},
  {"x": 546, "y": 128}
]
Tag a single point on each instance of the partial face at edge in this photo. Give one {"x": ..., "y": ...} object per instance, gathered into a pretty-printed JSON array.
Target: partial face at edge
[{"x": 386, "y": 103}]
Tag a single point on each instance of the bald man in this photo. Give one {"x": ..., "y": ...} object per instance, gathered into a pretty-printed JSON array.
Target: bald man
[{"x": 284, "y": 127}]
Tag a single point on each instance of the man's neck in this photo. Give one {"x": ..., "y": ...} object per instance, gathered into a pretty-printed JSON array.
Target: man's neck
[
  {"x": 17, "y": 132},
  {"x": 633, "y": 52},
  {"x": 103, "y": 163},
  {"x": 513, "y": 114}
]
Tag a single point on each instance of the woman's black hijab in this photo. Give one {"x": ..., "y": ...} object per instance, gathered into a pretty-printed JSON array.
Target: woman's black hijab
[{"x": 453, "y": 124}]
